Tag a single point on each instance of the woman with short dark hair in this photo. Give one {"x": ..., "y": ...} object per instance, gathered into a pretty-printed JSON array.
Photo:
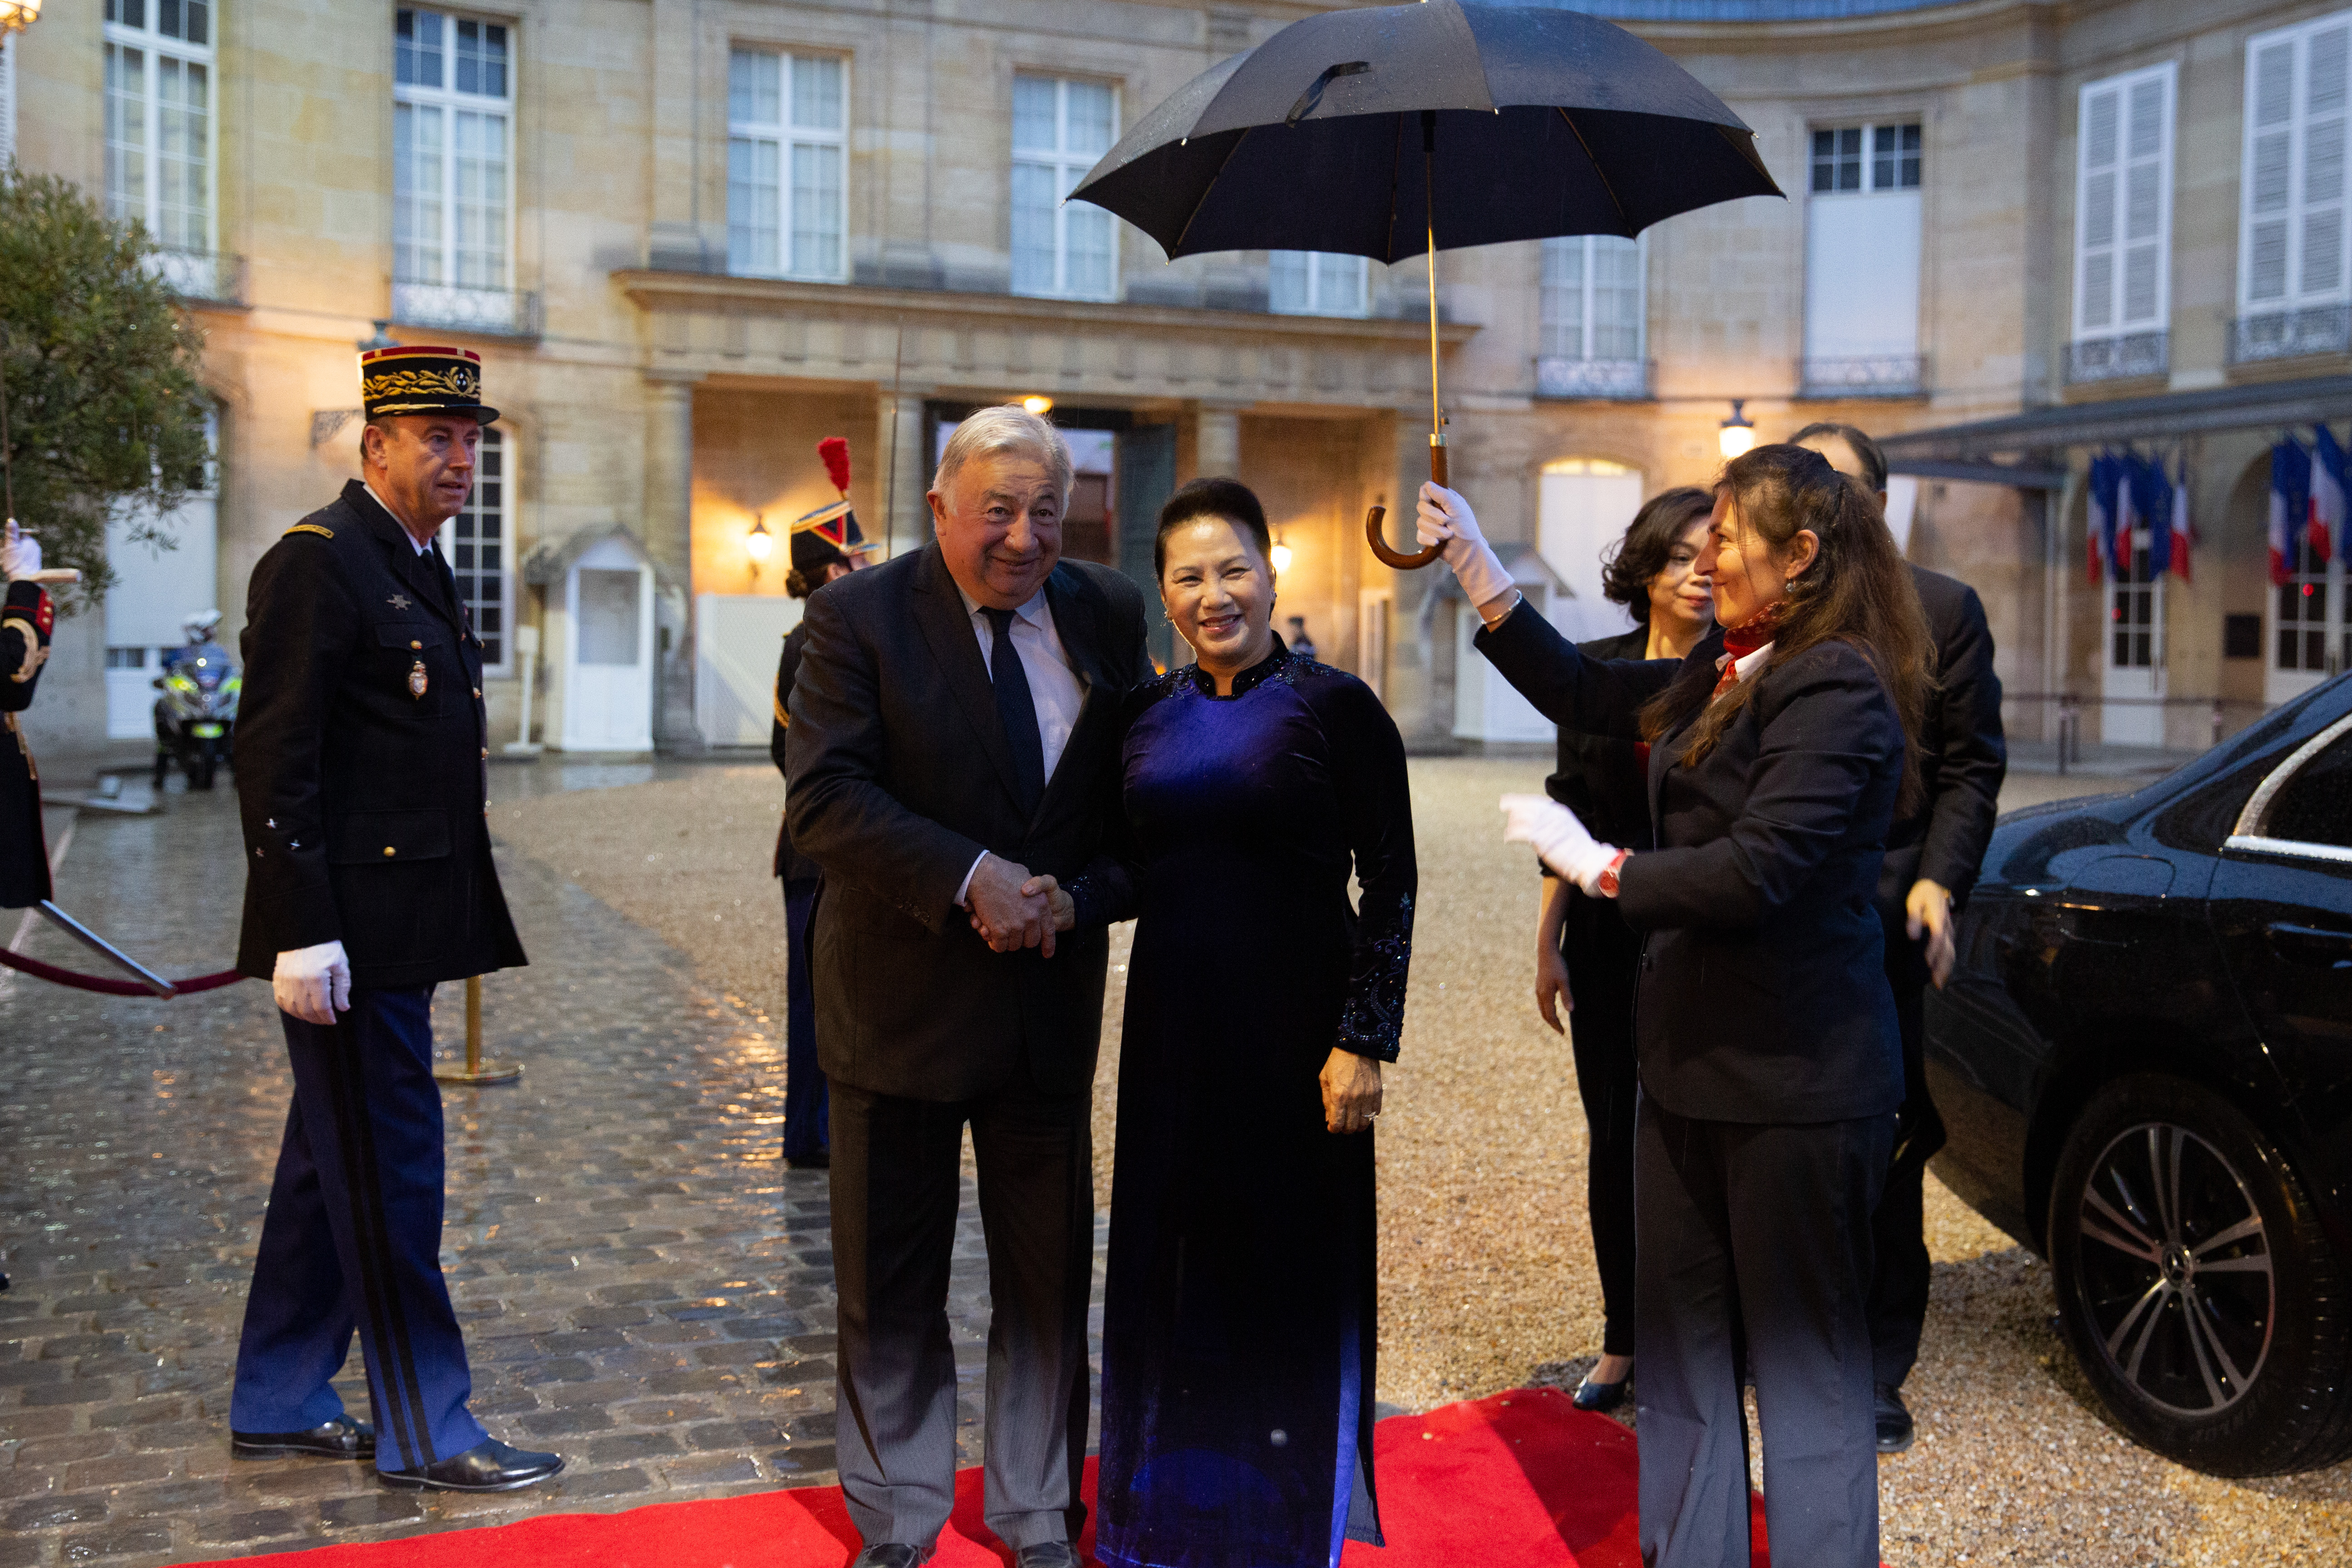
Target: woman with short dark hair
[
  {"x": 1771, "y": 1064},
  {"x": 1586, "y": 955}
]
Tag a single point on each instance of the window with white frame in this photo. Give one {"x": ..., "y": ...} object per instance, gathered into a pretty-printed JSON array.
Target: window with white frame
[
  {"x": 1060, "y": 127},
  {"x": 1593, "y": 315},
  {"x": 787, "y": 120},
  {"x": 453, "y": 171},
  {"x": 159, "y": 126},
  {"x": 478, "y": 542},
  {"x": 1863, "y": 239},
  {"x": 2123, "y": 223},
  {"x": 1317, "y": 283},
  {"x": 2292, "y": 294}
]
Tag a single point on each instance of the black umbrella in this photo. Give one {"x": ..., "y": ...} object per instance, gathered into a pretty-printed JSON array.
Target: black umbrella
[{"x": 1369, "y": 132}]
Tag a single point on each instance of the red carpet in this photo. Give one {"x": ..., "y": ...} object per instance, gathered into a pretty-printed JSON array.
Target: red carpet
[{"x": 1522, "y": 1478}]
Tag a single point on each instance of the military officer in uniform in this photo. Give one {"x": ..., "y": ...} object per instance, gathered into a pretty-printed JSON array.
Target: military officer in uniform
[
  {"x": 826, "y": 544},
  {"x": 25, "y": 622},
  {"x": 361, "y": 766}
]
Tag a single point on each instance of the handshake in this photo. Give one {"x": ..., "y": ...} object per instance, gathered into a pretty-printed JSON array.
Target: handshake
[{"x": 1012, "y": 910}]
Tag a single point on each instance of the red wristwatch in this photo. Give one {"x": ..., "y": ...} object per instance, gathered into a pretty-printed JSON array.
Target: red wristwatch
[{"x": 1607, "y": 881}]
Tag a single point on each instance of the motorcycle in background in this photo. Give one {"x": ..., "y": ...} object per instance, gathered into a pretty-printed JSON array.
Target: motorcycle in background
[{"x": 196, "y": 713}]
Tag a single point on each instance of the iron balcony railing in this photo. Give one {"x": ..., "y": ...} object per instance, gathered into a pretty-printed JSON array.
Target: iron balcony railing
[
  {"x": 491, "y": 313},
  {"x": 1863, "y": 375},
  {"x": 2283, "y": 334},
  {"x": 212, "y": 277},
  {"x": 2114, "y": 358},
  {"x": 1622, "y": 380}
]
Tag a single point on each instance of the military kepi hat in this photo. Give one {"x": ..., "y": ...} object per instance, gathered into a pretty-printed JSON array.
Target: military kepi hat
[{"x": 413, "y": 379}]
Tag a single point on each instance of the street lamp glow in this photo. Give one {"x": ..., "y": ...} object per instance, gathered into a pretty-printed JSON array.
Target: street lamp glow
[
  {"x": 15, "y": 15},
  {"x": 1038, "y": 404},
  {"x": 1280, "y": 555},
  {"x": 759, "y": 542},
  {"x": 1737, "y": 434}
]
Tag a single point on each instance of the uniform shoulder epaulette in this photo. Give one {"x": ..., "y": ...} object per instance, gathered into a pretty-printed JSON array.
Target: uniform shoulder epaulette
[{"x": 320, "y": 529}]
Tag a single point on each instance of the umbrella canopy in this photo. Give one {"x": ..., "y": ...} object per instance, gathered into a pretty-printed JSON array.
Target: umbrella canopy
[{"x": 1342, "y": 132}]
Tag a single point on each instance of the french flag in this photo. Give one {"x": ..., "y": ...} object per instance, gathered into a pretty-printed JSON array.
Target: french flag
[
  {"x": 2152, "y": 495},
  {"x": 2099, "y": 538},
  {"x": 2327, "y": 489},
  {"x": 2290, "y": 506},
  {"x": 2127, "y": 513},
  {"x": 2183, "y": 534}
]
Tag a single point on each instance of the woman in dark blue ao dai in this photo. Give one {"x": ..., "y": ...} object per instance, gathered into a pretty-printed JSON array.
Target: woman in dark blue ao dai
[{"x": 1238, "y": 1326}]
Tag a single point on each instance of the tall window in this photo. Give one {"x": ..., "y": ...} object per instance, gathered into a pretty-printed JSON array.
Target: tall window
[
  {"x": 2122, "y": 225},
  {"x": 158, "y": 128},
  {"x": 479, "y": 546},
  {"x": 2292, "y": 295},
  {"x": 1060, "y": 127},
  {"x": 452, "y": 172},
  {"x": 2136, "y": 613},
  {"x": 1317, "y": 283},
  {"x": 2300, "y": 635},
  {"x": 1595, "y": 317},
  {"x": 1862, "y": 262},
  {"x": 786, "y": 120}
]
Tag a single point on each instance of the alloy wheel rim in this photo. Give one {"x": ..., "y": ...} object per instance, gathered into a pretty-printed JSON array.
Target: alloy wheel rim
[{"x": 2174, "y": 1273}]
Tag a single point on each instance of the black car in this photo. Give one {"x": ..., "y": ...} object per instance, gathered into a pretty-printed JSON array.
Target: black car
[{"x": 2144, "y": 1058}]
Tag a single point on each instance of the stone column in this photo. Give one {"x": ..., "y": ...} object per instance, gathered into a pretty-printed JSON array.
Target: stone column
[
  {"x": 1216, "y": 439},
  {"x": 899, "y": 515},
  {"x": 667, "y": 529}
]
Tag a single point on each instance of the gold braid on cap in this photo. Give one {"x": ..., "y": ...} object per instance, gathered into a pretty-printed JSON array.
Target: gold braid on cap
[{"x": 455, "y": 380}]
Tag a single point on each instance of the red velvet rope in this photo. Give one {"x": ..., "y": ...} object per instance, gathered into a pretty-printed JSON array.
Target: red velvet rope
[{"x": 112, "y": 987}]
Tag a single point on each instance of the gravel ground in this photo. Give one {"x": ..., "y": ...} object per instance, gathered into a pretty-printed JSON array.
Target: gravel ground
[{"x": 1487, "y": 1268}]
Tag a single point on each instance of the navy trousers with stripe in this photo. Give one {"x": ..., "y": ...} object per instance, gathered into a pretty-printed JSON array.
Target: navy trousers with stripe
[{"x": 352, "y": 1239}]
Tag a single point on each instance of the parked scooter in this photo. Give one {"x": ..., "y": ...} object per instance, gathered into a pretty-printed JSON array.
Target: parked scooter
[{"x": 196, "y": 713}]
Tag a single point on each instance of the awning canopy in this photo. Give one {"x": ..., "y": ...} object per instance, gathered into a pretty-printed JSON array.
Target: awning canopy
[{"x": 1967, "y": 451}]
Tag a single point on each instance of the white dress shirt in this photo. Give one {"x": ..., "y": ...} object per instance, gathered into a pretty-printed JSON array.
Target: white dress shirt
[
  {"x": 1055, "y": 688},
  {"x": 1747, "y": 664}
]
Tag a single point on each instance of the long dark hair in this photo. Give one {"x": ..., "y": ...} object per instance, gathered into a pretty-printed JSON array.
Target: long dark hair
[
  {"x": 1856, "y": 591},
  {"x": 1630, "y": 564}
]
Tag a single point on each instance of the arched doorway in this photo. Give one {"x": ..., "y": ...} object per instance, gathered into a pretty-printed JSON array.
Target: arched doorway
[{"x": 1583, "y": 507}]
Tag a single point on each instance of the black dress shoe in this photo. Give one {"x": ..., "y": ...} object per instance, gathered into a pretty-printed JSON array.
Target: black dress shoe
[
  {"x": 1046, "y": 1554},
  {"x": 1894, "y": 1428},
  {"x": 815, "y": 1160},
  {"x": 1591, "y": 1395},
  {"x": 888, "y": 1554},
  {"x": 341, "y": 1438},
  {"x": 489, "y": 1466}
]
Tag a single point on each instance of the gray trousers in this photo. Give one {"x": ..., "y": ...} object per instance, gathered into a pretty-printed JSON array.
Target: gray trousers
[
  {"x": 895, "y": 1193},
  {"x": 1765, "y": 1228}
]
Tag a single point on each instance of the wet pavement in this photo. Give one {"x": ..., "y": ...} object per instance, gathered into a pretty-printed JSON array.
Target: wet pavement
[{"x": 644, "y": 1287}]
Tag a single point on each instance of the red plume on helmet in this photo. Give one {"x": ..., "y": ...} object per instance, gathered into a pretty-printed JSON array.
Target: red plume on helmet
[{"x": 834, "y": 451}]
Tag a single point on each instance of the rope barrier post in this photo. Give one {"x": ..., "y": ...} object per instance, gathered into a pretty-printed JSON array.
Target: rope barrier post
[{"x": 477, "y": 1070}]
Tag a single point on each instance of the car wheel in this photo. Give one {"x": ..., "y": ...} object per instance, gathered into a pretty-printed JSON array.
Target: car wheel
[{"x": 2195, "y": 1285}]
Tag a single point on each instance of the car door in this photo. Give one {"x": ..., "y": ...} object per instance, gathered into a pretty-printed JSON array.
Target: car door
[{"x": 2280, "y": 907}]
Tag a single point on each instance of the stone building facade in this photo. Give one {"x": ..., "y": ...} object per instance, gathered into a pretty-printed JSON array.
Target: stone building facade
[{"x": 690, "y": 237}]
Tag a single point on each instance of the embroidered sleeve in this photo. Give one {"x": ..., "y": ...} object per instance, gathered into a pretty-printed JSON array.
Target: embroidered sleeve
[{"x": 1376, "y": 798}]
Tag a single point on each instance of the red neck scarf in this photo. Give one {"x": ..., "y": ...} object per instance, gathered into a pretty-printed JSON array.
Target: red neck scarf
[{"x": 1757, "y": 631}]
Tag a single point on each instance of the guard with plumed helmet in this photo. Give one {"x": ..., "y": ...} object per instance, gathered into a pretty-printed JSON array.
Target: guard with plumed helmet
[{"x": 361, "y": 758}]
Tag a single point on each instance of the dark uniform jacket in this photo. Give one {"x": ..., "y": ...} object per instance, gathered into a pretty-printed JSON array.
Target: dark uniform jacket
[
  {"x": 365, "y": 801},
  {"x": 900, "y": 776},
  {"x": 1962, "y": 754},
  {"x": 790, "y": 863},
  {"x": 1763, "y": 997},
  {"x": 25, "y": 626}
]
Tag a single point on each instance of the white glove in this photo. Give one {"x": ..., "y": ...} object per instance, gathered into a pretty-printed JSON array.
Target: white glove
[
  {"x": 1559, "y": 838},
  {"x": 313, "y": 984},
  {"x": 20, "y": 557},
  {"x": 1444, "y": 517}
]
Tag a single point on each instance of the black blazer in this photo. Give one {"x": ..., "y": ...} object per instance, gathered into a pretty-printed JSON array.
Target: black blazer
[
  {"x": 899, "y": 777},
  {"x": 363, "y": 799},
  {"x": 1600, "y": 777},
  {"x": 1962, "y": 754},
  {"x": 790, "y": 863},
  {"x": 25, "y": 626},
  {"x": 1763, "y": 997}
]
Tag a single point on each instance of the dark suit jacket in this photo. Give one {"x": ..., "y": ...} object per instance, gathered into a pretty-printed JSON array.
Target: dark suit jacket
[
  {"x": 1763, "y": 997},
  {"x": 365, "y": 803},
  {"x": 1600, "y": 777},
  {"x": 790, "y": 863},
  {"x": 900, "y": 776},
  {"x": 24, "y": 628},
  {"x": 1962, "y": 755}
]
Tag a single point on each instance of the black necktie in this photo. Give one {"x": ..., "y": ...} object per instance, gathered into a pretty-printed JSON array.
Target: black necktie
[{"x": 1016, "y": 710}]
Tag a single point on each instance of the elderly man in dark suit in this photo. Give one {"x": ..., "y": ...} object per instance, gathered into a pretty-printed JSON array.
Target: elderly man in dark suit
[
  {"x": 1932, "y": 854},
  {"x": 952, "y": 745},
  {"x": 361, "y": 759}
]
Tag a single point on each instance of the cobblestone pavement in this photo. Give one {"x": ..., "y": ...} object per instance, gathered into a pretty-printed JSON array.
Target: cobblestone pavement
[{"x": 645, "y": 1287}]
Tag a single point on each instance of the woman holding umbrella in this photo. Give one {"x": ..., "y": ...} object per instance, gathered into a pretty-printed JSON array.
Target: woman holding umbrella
[{"x": 1769, "y": 1061}]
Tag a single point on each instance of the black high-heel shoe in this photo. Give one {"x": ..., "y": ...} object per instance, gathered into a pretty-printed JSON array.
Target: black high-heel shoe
[{"x": 1601, "y": 1396}]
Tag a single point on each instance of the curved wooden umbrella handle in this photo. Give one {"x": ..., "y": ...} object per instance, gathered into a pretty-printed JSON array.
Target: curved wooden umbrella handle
[{"x": 1396, "y": 558}]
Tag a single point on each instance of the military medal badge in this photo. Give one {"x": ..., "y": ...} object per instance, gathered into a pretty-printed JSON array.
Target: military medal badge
[{"x": 416, "y": 678}]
